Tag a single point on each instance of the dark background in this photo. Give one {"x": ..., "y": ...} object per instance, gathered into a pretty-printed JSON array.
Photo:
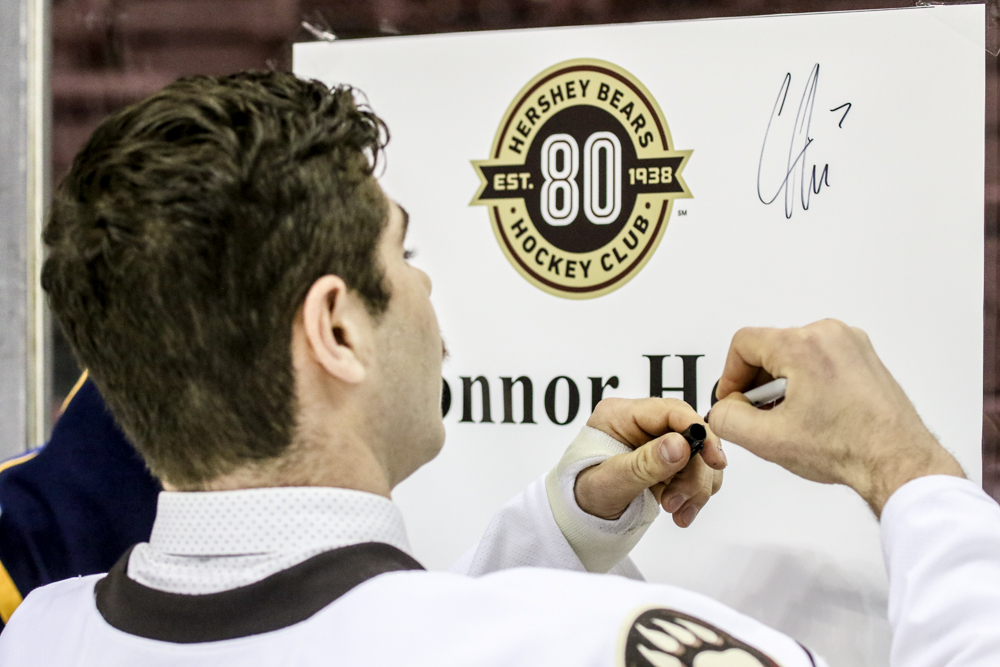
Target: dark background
[{"x": 109, "y": 53}]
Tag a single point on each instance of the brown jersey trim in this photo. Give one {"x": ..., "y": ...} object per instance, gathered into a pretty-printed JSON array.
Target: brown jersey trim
[{"x": 283, "y": 599}]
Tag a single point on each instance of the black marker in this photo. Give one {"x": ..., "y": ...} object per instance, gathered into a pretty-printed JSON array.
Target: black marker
[
  {"x": 695, "y": 435},
  {"x": 772, "y": 392}
]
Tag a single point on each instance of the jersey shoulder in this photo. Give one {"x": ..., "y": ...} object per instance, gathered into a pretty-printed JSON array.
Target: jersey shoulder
[
  {"x": 561, "y": 617},
  {"x": 64, "y": 608},
  {"x": 57, "y": 599}
]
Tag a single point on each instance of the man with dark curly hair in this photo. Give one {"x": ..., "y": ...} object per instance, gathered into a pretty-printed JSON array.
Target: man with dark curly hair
[{"x": 226, "y": 266}]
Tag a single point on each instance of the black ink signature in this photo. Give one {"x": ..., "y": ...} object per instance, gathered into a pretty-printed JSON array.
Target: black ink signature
[
  {"x": 846, "y": 104},
  {"x": 799, "y": 175}
]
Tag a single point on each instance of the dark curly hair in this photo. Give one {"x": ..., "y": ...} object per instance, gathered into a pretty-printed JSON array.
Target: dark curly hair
[{"x": 183, "y": 242}]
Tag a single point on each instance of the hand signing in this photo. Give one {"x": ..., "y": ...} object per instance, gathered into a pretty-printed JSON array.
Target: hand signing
[{"x": 844, "y": 420}]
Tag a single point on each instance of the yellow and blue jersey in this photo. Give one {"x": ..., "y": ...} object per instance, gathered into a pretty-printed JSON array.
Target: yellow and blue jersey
[{"x": 74, "y": 505}]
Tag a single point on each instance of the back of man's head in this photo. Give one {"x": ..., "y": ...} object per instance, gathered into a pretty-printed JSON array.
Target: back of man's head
[{"x": 182, "y": 244}]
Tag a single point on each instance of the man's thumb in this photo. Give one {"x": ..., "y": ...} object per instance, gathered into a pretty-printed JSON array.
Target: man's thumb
[
  {"x": 736, "y": 420},
  {"x": 620, "y": 479}
]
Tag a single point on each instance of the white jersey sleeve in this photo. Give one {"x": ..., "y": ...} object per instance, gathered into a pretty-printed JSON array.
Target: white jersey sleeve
[
  {"x": 544, "y": 527},
  {"x": 941, "y": 541}
]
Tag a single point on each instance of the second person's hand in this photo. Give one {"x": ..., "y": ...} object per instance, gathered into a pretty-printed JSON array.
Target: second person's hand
[{"x": 661, "y": 460}]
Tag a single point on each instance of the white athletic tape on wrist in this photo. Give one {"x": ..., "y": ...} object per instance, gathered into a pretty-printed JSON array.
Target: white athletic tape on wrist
[{"x": 599, "y": 543}]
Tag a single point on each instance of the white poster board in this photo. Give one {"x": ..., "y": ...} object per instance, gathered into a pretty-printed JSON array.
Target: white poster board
[{"x": 874, "y": 173}]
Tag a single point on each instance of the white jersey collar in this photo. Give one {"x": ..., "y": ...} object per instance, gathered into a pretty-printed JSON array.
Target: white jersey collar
[
  {"x": 273, "y": 520},
  {"x": 207, "y": 542}
]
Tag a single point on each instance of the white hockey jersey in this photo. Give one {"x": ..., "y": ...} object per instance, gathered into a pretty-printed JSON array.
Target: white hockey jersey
[
  {"x": 524, "y": 616},
  {"x": 365, "y": 605}
]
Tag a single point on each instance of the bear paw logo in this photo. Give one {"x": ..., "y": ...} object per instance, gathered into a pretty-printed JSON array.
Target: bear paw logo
[{"x": 667, "y": 638}]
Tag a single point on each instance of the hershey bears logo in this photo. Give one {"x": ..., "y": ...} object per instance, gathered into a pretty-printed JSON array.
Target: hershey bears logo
[
  {"x": 581, "y": 178},
  {"x": 661, "y": 637}
]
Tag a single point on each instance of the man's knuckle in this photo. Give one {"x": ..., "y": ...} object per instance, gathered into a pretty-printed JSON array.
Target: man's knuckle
[
  {"x": 808, "y": 346},
  {"x": 604, "y": 405},
  {"x": 790, "y": 340},
  {"x": 643, "y": 465},
  {"x": 678, "y": 405},
  {"x": 700, "y": 498},
  {"x": 810, "y": 336},
  {"x": 861, "y": 335},
  {"x": 606, "y": 409}
]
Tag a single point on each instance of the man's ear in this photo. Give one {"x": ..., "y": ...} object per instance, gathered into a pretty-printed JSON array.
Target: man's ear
[{"x": 336, "y": 326}]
